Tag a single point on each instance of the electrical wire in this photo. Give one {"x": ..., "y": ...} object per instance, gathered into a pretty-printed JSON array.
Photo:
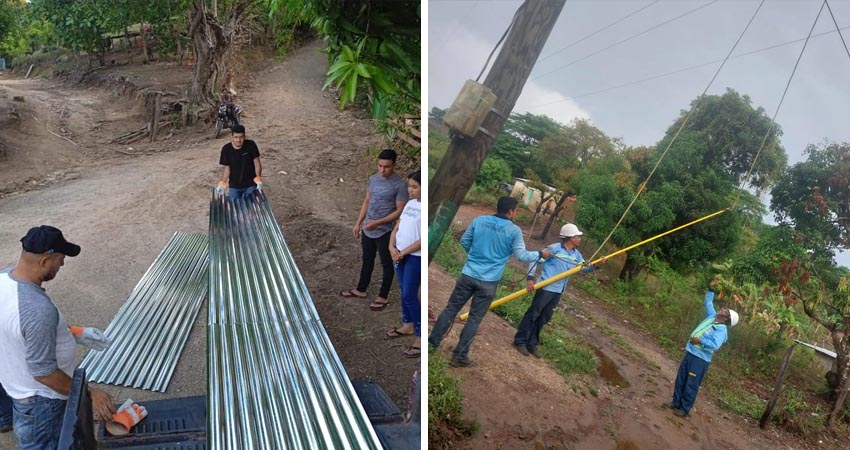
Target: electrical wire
[
  {"x": 837, "y": 29},
  {"x": 504, "y": 35},
  {"x": 782, "y": 99},
  {"x": 698, "y": 66},
  {"x": 681, "y": 127},
  {"x": 597, "y": 31},
  {"x": 654, "y": 27}
]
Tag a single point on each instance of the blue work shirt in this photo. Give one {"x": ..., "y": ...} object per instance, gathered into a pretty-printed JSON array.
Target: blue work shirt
[
  {"x": 561, "y": 261},
  {"x": 713, "y": 338},
  {"x": 489, "y": 242}
]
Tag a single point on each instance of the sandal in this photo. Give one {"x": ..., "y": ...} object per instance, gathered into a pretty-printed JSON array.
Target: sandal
[
  {"x": 379, "y": 305},
  {"x": 350, "y": 294},
  {"x": 412, "y": 352},
  {"x": 394, "y": 333}
]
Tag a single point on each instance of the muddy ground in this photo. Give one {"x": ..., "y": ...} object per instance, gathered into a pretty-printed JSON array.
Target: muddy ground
[
  {"x": 123, "y": 203},
  {"x": 524, "y": 403}
]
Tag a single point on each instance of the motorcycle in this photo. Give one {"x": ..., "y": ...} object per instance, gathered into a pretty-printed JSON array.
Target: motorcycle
[{"x": 227, "y": 116}]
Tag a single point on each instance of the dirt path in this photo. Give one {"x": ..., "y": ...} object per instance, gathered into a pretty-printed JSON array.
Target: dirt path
[
  {"x": 522, "y": 402},
  {"x": 123, "y": 209}
]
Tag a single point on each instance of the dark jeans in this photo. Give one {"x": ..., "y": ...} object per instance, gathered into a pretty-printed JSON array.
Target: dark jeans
[
  {"x": 381, "y": 245},
  {"x": 38, "y": 422},
  {"x": 691, "y": 371},
  {"x": 5, "y": 408},
  {"x": 409, "y": 278},
  {"x": 482, "y": 293},
  {"x": 538, "y": 314},
  {"x": 234, "y": 193}
]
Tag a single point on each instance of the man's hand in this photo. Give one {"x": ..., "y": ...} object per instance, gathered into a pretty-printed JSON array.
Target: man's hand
[
  {"x": 529, "y": 285},
  {"x": 356, "y": 230},
  {"x": 102, "y": 404},
  {"x": 221, "y": 189},
  {"x": 91, "y": 338},
  {"x": 696, "y": 341},
  {"x": 545, "y": 254},
  {"x": 370, "y": 225},
  {"x": 259, "y": 182},
  {"x": 128, "y": 415}
]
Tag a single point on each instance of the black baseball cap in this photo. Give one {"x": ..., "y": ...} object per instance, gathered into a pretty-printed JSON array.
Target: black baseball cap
[{"x": 45, "y": 239}]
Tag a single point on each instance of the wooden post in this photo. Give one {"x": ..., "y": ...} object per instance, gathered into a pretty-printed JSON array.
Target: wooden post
[
  {"x": 777, "y": 387},
  {"x": 506, "y": 79},
  {"x": 157, "y": 112}
]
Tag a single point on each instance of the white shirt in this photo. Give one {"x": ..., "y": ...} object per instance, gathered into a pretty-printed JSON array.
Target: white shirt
[{"x": 409, "y": 226}]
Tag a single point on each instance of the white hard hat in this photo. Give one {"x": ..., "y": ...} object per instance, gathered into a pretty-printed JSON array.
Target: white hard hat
[
  {"x": 733, "y": 317},
  {"x": 570, "y": 230}
]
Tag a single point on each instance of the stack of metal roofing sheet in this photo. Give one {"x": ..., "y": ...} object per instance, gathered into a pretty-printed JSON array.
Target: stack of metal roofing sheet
[
  {"x": 275, "y": 381},
  {"x": 150, "y": 330}
]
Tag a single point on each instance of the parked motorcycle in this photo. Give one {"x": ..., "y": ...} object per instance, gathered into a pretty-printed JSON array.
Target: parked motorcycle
[{"x": 227, "y": 116}]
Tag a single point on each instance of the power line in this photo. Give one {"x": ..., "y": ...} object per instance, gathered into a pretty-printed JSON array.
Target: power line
[
  {"x": 504, "y": 35},
  {"x": 654, "y": 27},
  {"x": 655, "y": 77},
  {"x": 597, "y": 31},
  {"x": 838, "y": 29}
]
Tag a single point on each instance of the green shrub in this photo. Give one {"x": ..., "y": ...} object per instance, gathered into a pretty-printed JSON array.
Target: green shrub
[{"x": 445, "y": 406}]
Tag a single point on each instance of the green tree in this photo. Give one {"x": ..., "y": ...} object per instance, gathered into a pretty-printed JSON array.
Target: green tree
[
  {"x": 520, "y": 139},
  {"x": 813, "y": 198},
  {"x": 492, "y": 171}
]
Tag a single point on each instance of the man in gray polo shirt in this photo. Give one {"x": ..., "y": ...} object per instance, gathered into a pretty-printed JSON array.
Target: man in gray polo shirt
[
  {"x": 386, "y": 195},
  {"x": 38, "y": 345}
]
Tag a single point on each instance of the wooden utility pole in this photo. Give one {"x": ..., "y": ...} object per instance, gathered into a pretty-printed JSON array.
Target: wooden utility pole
[{"x": 506, "y": 79}]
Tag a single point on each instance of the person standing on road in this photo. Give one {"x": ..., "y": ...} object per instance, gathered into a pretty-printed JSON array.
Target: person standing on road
[
  {"x": 386, "y": 195},
  {"x": 489, "y": 241},
  {"x": 242, "y": 172},
  {"x": 565, "y": 256},
  {"x": 39, "y": 347},
  {"x": 405, "y": 245},
  {"x": 706, "y": 338}
]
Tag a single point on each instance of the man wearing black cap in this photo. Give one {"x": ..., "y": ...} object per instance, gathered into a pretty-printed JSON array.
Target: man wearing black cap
[{"x": 38, "y": 345}]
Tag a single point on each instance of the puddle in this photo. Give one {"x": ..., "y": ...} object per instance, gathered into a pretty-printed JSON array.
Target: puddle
[{"x": 609, "y": 371}]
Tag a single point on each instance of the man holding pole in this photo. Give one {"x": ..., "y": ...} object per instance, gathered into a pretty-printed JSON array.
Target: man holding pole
[
  {"x": 489, "y": 242},
  {"x": 565, "y": 256}
]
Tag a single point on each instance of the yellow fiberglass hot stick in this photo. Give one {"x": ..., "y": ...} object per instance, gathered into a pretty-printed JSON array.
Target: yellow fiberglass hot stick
[{"x": 576, "y": 269}]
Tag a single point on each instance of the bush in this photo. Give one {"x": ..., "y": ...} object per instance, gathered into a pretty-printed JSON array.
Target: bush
[{"x": 445, "y": 406}]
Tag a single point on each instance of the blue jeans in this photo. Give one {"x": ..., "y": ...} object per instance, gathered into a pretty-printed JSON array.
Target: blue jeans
[
  {"x": 537, "y": 315},
  {"x": 38, "y": 422},
  {"x": 409, "y": 278},
  {"x": 5, "y": 408},
  {"x": 466, "y": 287},
  {"x": 234, "y": 193},
  {"x": 691, "y": 371}
]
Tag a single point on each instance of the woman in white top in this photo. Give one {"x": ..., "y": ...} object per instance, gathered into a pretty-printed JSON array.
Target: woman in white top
[{"x": 405, "y": 244}]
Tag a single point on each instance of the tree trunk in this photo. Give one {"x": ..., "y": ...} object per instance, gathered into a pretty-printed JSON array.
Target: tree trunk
[
  {"x": 631, "y": 269},
  {"x": 558, "y": 207},
  {"x": 144, "y": 41},
  {"x": 841, "y": 341}
]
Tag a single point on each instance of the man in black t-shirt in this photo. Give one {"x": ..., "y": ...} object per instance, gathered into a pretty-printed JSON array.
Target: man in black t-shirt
[{"x": 242, "y": 168}]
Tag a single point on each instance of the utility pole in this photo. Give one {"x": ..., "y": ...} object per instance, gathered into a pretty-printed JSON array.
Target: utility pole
[{"x": 506, "y": 79}]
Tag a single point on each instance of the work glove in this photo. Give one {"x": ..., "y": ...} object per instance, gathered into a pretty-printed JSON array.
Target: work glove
[
  {"x": 259, "y": 182},
  {"x": 221, "y": 189},
  {"x": 90, "y": 337},
  {"x": 128, "y": 415}
]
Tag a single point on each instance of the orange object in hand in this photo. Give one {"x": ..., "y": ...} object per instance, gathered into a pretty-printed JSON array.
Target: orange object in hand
[
  {"x": 128, "y": 415},
  {"x": 259, "y": 182}
]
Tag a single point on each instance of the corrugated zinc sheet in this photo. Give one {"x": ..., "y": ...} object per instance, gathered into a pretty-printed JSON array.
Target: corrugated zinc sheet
[
  {"x": 150, "y": 330},
  {"x": 275, "y": 380}
]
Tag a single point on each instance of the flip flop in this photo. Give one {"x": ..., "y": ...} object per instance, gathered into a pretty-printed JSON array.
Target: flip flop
[
  {"x": 394, "y": 333},
  {"x": 412, "y": 352},
  {"x": 350, "y": 294},
  {"x": 377, "y": 305}
]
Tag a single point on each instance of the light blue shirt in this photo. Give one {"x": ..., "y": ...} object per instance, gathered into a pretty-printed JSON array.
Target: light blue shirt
[
  {"x": 489, "y": 242},
  {"x": 711, "y": 339},
  {"x": 561, "y": 261}
]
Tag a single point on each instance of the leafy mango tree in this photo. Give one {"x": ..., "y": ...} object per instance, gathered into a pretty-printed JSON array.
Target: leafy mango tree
[{"x": 813, "y": 198}]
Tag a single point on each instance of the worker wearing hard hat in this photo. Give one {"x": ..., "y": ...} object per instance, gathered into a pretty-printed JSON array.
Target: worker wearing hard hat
[
  {"x": 706, "y": 338},
  {"x": 565, "y": 256}
]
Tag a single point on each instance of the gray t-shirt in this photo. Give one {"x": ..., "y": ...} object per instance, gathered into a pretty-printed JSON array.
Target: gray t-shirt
[
  {"x": 36, "y": 339},
  {"x": 383, "y": 195}
]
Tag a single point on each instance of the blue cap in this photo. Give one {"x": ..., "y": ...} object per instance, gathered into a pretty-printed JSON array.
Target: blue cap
[{"x": 47, "y": 239}]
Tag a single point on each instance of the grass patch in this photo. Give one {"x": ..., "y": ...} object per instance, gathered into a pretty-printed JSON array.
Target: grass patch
[{"x": 445, "y": 406}]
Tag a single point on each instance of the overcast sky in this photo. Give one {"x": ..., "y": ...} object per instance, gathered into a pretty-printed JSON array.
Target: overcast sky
[{"x": 462, "y": 33}]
